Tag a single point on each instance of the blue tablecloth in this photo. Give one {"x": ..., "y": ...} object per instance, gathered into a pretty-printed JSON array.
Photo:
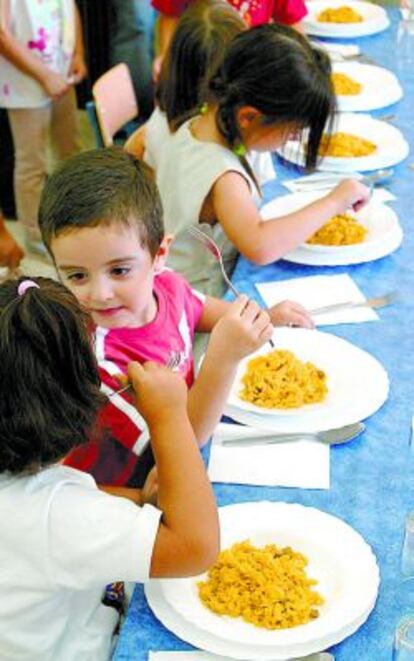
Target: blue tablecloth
[{"x": 372, "y": 478}]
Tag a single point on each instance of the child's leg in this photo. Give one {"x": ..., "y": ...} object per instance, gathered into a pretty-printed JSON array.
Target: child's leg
[
  {"x": 29, "y": 127},
  {"x": 64, "y": 127}
]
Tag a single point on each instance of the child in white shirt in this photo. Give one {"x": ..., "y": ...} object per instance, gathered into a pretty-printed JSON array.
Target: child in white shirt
[{"x": 63, "y": 539}]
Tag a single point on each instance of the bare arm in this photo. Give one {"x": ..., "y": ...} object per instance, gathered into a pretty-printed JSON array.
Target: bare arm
[
  {"x": 123, "y": 492},
  {"x": 187, "y": 542},
  {"x": 10, "y": 252},
  {"x": 242, "y": 329},
  {"x": 78, "y": 70},
  {"x": 135, "y": 144},
  {"x": 265, "y": 241},
  {"x": 166, "y": 28}
]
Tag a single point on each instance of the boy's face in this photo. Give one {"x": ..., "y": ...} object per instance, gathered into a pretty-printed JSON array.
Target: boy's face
[{"x": 110, "y": 273}]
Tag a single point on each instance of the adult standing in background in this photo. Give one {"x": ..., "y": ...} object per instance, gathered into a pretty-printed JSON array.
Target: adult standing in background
[
  {"x": 41, "y": 59},
  {"x": 253, "y": 12},
  {"x": 132, "y": 42}
]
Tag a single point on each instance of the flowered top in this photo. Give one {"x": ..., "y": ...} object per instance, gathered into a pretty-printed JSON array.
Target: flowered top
[{"x": 47, "y": 28}]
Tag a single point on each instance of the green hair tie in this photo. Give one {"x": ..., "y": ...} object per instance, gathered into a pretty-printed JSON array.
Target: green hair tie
[
  {"x": 240, "y": 149},
  {"x": 203, "y": 109}
]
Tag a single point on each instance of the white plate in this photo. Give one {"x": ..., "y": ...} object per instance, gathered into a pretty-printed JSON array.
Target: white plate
[
  {"x": 383, "y": 237},
  {"x": 357, "y": 384},
  {"x": 392, "y": 148},
  {"x": 375, "y": 19},
  {"x": 339, "y": 559},
  {"x": 380, "y": 87}
]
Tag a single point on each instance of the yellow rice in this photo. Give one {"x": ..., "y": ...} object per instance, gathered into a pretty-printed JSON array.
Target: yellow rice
[
  {"x": 342, "y": 14},
  {"x": 345, "y": 145},
  {"x": 341, "y": 230},
  {"x": 265, "y": 586},
  {"x": 280, "y": 380},
  {"x": 345, "y": 85}
]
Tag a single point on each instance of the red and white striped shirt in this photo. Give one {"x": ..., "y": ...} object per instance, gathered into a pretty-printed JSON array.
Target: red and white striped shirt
[{"x": 113, "y": 458}]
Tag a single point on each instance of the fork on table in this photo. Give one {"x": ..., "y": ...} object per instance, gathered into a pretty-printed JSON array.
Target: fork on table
[
  {"x": 376, "y": 302},
  {"x": 172, "y": 362},
  {"x": 213, "y": 248}
]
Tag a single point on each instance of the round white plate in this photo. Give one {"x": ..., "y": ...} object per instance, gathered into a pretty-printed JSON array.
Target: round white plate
[
  {"x": 392, "y": 148},
  {"x": 375, "y": 19},
  {"x": 383, "y": 237},
  {"x": 339, "y": 559},
  {"x": 357, "y": 384},
  {"x": 380, "y": 87}
]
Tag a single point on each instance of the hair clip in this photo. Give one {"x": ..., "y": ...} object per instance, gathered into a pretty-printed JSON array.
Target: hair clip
[
  {"x": 240, "y": 149},
  {"x": 203, "y": 109},
  {"x": 25, "y": 285}
]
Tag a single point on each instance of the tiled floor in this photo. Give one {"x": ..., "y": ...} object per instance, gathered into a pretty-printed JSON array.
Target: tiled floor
[{"x": 33, "y": 264}]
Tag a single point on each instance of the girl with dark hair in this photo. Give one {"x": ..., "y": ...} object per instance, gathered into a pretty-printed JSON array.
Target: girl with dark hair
[
  {"x": 62, "y": 538},
  {"x": 271, "y": 84}
]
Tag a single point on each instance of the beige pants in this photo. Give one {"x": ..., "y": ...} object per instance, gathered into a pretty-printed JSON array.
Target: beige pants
[{"x": 32, "y": 128}]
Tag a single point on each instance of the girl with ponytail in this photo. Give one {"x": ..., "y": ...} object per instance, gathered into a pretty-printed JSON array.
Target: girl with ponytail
[{"x": 271, "y": 84}]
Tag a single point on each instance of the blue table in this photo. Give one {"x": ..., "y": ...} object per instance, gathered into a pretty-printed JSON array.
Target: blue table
[{"x": 372, "y": 478}]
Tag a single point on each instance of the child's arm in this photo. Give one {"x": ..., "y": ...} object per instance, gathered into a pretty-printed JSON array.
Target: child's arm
[
  {"x": 10, "y": 252},
  {"x": 135, "y": 144},
  {"x": 286, "y": 313},
  {"x": 78, "y": 69},
  {"x": 242, "y": 329},
  {"x": 166, "y": 28},
  {"x": 24, "y": 59},
  {"x": 148, "y": 493},
  {"x": 187, "y": 542},
  {"x": 265, "y": 241}
]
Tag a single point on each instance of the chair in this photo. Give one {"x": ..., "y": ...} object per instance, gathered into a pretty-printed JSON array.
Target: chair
[{"x": 115, "y": 103}]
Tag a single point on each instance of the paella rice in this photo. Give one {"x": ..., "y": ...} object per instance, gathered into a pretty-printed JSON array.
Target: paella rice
[
  {"x": 345, "y": 85},
  {"x": 345, "y": 145},
  {"x": 267, "y": 587},
  {"x": 341, "y": 230},
  {"x": 280, "y": 380},
  {"x": 341, "y": 14}
]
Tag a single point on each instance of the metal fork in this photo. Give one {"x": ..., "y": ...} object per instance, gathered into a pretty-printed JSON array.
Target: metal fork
[
  {"x": 172, "y": 362},
  {"x": 213, "y": 248}
]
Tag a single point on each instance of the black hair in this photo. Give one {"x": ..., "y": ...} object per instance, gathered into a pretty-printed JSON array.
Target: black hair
[
  {"x": 196, "y": 49},
  {"x": 102, "y": 186},
  {"x": 276, "y": 70},
  {"x": 49, "y": 385}
]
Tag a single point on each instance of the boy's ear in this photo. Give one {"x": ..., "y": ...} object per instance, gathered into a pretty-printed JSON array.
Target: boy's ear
[
  {"x": 162, "y": 252},
  {"x": 246, "y": 115}
]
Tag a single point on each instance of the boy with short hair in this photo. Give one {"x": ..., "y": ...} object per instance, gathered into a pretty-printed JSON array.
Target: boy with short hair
[{"x": 101, "y": 220}]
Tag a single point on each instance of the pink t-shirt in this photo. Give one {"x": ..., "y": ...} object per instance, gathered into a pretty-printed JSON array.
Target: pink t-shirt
[
  {"x": 253, "y": 12},
  {"x": 112, "y": 459}
]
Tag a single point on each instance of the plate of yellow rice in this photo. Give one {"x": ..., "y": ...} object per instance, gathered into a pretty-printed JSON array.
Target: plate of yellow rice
[{"x": 290, "y": 580}]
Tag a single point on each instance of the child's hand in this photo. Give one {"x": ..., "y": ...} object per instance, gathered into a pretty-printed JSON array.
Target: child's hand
[
  {"x": 54, "y": 84},
  {"x": 349, "y": 193},
  {"x": 243, "y": 329},
  {"x": 78, "y": 70},
  {"x": 159, "y": 393},
  {"x": 10, "y": 252},
  {"x": 289, "y": 313},
  {"x": 149, "y": 492}
]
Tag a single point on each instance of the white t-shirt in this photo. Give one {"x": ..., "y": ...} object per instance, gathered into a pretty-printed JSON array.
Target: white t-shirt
[
  {"x": 62, "y": 540},
  {"x": 47, "y": 29},
  {"x": 157, "y": 134}
]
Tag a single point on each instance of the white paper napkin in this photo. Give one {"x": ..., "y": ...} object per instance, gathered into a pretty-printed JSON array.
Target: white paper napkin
[
  {"x": 317, "y": 291},
  {"x": 300, "y": 464},
  {"x": 206, "y": 656}
]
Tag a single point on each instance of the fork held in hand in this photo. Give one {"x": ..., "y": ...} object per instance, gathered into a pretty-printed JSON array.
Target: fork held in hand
[
  {"x": 213, "y": 248},
  {"x": 172, "y": 362}
]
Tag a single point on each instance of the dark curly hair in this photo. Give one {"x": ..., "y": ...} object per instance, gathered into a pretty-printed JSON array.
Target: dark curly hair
[
  {"x": 99, "y": 187},
  {"x": 49, "y": 384},
  {"x": 277, "y": 71}
]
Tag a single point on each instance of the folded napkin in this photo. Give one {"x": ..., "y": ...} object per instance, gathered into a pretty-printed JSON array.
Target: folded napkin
[
  {"x": 301, "y": 464},
  {"x": 317, "y": 291}
]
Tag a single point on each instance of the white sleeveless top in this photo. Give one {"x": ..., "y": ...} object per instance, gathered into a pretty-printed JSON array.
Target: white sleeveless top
[
  {"x": 47, "y": 29},
  {"x": 187, "y": 171}
]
